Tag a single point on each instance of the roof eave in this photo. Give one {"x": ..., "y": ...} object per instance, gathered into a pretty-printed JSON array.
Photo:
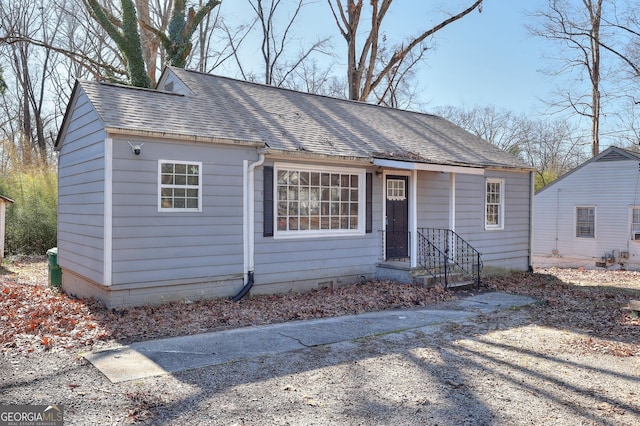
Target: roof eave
[
  {"x": 183, "y": 137},
  {"x": 283, "y": 153}
]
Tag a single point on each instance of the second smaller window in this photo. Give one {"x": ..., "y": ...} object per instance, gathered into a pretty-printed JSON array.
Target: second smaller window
[{"x": 585, "y": 222}]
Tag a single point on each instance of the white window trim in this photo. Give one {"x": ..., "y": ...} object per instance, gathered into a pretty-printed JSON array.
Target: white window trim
[
  {"x": 575, "y": 221},
  {"x": 361, "y": 173},
  {"x": 500, "y": 225},
  {"x": 199, "y": 187}
]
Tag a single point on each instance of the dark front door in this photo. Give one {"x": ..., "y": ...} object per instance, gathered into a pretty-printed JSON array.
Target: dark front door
[{"x": 397, "y": 232}]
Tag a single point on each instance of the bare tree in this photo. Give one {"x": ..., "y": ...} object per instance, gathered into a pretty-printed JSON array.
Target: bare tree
[
  {"x": 365, "y": 70},
  {"x": 502, "y": 128},
  {"x": 31, "y": 66},
  {"x": 577, "y": 30},
  {"x": 210, "y": 51},
  {"x": 310, "y": 77},
  {"x": 275, "y": 38},
  {"x": 552, "y": 147},
  {"x": 125, "y": 33},
  {"x": 176, "y": 41}
]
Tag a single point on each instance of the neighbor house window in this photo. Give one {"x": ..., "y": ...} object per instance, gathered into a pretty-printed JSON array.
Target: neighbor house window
[
  {"x": 180, "y": 186},
  {"x": 635, "y": 223},
  {"x": 318, "y": 200},
  {"x": 494, "y": 204},
  {"x": 585, "y": 222}
]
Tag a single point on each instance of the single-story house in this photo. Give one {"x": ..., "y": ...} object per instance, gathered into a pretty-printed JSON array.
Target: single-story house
[
  {"x": 213, "y": 187},
  {"x": 590, "y": 217}
]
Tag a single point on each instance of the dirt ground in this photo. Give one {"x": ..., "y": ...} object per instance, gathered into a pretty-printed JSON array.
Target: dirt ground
[{"x": 572, "y": 358}]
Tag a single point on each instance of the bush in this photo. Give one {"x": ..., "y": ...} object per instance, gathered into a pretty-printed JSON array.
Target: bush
[{"x": 31, "y": 222}]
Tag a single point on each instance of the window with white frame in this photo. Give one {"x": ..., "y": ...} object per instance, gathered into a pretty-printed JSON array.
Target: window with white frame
[
  {"x": 494, "y": 204},
  {"x": 318, "y": 200},
  {"x": 396, "y": 189},
  {"x": 635, "y": 223},
  {"x": 585, "y": 222},
  {"x": 179, "y": 186}
]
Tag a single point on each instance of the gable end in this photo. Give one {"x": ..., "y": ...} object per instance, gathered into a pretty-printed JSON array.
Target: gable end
[{"x": 612, "y": 156}]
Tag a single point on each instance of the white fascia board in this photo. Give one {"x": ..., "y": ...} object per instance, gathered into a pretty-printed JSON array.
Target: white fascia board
[{"x": 406, "y": 165}]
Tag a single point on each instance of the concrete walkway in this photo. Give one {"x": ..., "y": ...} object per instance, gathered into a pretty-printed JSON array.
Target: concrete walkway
[{"x": 165, "y": 356}]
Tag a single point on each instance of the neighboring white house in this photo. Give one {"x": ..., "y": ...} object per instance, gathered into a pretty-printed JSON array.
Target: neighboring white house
[
  {"x": 590, "y": 217},
  {"x": 213, "y": 187}
]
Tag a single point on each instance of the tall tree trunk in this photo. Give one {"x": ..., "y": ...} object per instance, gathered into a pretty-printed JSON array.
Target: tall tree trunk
[
  {"x": 365, "y": 73},
  {"x": 147, "y": 40},
  {"x": 595, "y": 15}
]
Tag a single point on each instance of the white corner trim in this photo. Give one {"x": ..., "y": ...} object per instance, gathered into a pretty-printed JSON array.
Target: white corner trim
[{"x": 108, "y": 211}]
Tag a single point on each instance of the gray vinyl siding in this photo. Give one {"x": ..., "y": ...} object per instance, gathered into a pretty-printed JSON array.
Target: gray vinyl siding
[
  {"x": 609, "y": 186},
  {"x": 81, "y": 193},
  {"x": 433, "y": 199},
  {"x": 172, "y": 247},
  {"x": 506, "y": 248},
  {"x": 285, "y": 264}
]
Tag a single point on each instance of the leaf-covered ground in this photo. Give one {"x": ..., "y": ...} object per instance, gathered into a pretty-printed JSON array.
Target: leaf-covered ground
[
  {"x": 593, "y": 302},
  {"x": 35, "y": 317}
]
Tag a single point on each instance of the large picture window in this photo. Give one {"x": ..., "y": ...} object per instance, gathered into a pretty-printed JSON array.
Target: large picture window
[
  {"x": 318, "y": 201},
  {"x": 494, "y": 204},
  {"x": 585, "y": 222},
  {"x": 179, "y": 186}
]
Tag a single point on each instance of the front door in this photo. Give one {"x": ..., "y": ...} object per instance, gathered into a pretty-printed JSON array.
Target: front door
[{"x": 397, "y": 229}]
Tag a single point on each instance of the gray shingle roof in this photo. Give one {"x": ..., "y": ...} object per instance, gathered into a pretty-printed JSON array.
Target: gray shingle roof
[{"x": 286, "y": 120}]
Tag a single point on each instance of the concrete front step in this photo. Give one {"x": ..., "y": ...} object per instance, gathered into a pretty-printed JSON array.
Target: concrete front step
[
  {"x": 454, "y": 281},
  {"x": 402, "y": 272}
]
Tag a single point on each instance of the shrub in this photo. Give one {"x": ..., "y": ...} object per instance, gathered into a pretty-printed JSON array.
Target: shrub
[{"x": 31, "y": 222}]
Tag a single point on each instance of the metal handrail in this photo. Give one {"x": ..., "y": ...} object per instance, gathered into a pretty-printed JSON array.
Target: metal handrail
[{"x": 440, "y": 251}]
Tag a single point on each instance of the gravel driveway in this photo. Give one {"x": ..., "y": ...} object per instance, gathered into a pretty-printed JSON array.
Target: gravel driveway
[
  {"x": 499, "y": 369},
  {"x": 502, "y": 368}
]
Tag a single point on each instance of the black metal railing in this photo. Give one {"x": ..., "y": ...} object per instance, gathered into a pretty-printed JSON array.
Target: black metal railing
[{"x": 443, "y": 253}]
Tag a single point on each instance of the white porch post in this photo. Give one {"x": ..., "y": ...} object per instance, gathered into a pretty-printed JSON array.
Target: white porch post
[
  {"x": 413, "y": 218},
  {"x": 452, "y": 201}
]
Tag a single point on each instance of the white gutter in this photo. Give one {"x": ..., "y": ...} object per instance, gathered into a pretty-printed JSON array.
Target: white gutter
[
  {"x": 248, "y": 214},
  {"x": 407, "y": 165}
]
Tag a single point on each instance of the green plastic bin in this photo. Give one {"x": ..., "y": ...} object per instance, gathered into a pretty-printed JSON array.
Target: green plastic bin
[{"x": 55, "y": 273}]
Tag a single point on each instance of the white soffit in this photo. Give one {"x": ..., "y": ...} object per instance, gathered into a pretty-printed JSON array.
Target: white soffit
[{"x": 406, "y": 165}]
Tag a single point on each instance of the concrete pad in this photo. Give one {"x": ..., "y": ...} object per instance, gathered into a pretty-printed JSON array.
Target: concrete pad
[
  {"x": 489, "y": 302},
  {"x": 122, "y": 364},
  {"x": 165, "y": 356}
]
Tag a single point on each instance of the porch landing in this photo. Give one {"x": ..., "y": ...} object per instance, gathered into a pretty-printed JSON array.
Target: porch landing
[{"x": 401, "y": 271}]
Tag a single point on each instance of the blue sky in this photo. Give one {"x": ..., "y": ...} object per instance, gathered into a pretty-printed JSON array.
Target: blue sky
[
  {"x": 484, "y": 58},
  {"x": 488, "y": 58}
]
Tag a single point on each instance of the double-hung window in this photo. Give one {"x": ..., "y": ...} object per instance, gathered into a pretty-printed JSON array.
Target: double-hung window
[
  {"x": 318, "y": 201},
  {"x": 179, "y": 186},
  {"x": 494, "y": 204},
  {"x": 635, "y": 223},
  {"x": 585, "y": 222}
]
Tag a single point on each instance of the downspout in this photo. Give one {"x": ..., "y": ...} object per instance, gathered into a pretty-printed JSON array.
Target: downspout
[{"x": 248, "y": 222}]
